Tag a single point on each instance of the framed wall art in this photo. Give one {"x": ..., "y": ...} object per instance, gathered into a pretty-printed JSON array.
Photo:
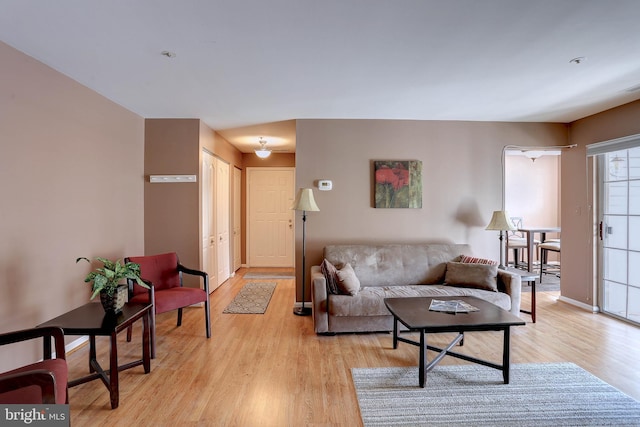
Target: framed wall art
[{"x": 398, "y": 183}]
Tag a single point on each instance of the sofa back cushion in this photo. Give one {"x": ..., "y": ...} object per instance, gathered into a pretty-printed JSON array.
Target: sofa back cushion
[{"x": 397, "y": 264}]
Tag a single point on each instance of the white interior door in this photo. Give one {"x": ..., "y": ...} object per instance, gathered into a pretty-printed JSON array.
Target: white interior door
[
  {"x": 237, "y": 219},
  {"x": 222, "y": 201},
  {"x": 270, "y": 240},
  {"x": 208, "y": 237}
]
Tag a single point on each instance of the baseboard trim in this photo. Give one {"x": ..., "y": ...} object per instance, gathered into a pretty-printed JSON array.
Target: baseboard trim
[{"x": 579, "y": 304}]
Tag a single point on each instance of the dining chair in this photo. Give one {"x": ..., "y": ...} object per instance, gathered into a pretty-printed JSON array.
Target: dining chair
[
  {"x": 43, "y": 382},
  {"x": 551, "y": 245},
  {"x": 163, "y": 273},
  {"x": 517, "y": 241}
]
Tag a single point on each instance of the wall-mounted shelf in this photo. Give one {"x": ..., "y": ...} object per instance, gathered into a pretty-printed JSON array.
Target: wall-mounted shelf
[{"x": 156, "y": 179}]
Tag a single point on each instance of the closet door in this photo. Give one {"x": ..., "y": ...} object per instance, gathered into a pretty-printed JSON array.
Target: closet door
[
  {"x": 237, "y": 219},
  {"x": 222, "y": 200},
  {"x": 208, "y": 227}
]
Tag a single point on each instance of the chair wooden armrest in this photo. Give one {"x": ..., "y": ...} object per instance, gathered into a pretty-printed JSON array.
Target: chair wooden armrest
[
  {"x": 37, "y": 374},
  {"x": 193, "y": 272}
]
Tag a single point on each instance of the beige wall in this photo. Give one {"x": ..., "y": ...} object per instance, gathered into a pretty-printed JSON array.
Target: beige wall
[
  {"x": 461, "y": 167},
  {"x": 71, "y": 169},
  {"x": 171, "y": 219},
  {"x": 172, "y": 211},
  {"x": 578, "y": 229}
]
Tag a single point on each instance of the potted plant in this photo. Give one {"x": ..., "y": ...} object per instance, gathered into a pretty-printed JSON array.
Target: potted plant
[{"x": 106, "y": 281}]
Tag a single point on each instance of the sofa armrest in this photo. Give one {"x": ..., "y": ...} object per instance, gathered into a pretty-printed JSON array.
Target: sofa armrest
[
  {"x": 319, "y": 300},
  {"x": 511, "y": 284}
]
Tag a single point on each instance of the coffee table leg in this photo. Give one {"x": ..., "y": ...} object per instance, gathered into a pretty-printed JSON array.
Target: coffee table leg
[
  {"x": 395, "y": 332},
  {"x": 423, "y": 359},
  {"x": 505, "y": 354},
  {"x": 113, "y": 372}
]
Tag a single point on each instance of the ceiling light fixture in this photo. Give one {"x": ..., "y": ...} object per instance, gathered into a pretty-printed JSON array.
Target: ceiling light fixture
[{"x": 263, "y": 152}]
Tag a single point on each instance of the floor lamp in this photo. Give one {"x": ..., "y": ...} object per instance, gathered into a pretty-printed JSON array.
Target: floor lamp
[
  {"x": 304, "y": 202},
  {"x": 500, "y": 221}
]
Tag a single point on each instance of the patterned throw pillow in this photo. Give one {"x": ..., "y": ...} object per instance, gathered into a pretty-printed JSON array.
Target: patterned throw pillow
[
  {"x": 473, "y": 260},
  {"x": 331, "y": 275}
]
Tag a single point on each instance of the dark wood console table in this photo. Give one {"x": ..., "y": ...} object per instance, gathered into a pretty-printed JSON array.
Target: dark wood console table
[{"x": 91, "y": 320}]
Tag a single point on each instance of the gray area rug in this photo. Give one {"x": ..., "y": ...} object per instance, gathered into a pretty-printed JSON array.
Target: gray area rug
[
  {"x": 548, "y": 394},
  {"x": 253, "y": 298},
  {"x": 268, "y": 275}
]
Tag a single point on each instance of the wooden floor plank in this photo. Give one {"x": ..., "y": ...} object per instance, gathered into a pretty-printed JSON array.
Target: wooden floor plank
[{"x": 272, "y": 370}]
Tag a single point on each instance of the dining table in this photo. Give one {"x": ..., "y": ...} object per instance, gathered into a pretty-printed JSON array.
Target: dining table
[{"x": 530, "y": 233}]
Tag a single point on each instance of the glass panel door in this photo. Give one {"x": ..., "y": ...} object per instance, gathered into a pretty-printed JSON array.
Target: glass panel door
[{"x": 620, "y": 234}]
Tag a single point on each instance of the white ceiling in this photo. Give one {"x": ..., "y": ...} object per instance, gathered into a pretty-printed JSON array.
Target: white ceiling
[{"x": 248, "y": 68}]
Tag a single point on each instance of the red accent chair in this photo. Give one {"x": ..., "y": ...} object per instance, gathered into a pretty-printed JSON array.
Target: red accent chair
[
  {"x": 163, "y": 273},
  {"x": 43, "y": 382}
]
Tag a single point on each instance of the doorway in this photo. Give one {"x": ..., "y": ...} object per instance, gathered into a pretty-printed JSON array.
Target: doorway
[
  {"x": 532, "y": 193},
  {"x": 270, "y": 220}
]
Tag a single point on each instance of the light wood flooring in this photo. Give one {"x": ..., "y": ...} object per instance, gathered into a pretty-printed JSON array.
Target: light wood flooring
[{"x": 272, "y": 370}]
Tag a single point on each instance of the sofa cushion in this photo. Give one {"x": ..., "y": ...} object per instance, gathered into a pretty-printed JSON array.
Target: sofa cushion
[
  {"x": 481, "y": 276},
  {"x": 474, "y": 260},
  {"x": 370, "y": 300},
  {"x": 330, "y": 274},
  {"x": 348, "y": 283}
]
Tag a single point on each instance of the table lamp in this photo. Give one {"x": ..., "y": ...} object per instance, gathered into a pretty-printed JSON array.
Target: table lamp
[{"x": 500, "y": 221}]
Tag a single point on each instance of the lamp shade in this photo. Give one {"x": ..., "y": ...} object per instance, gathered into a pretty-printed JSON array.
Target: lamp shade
[
  {"x": 500, "y": 221},
  {"x": 305, "y": 201}
]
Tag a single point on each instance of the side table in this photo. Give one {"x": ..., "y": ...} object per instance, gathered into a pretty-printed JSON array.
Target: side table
[
  {"x": 527, "y": 276},
  {"x": 91, "y": 319}
]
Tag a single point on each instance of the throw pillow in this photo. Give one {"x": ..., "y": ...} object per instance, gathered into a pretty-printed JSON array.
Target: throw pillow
[
  {"x": 330, "y": 274},
  {"x": 348, "y": 283},
  {"x": 473, "y": 260},
  {"x": 480, "y": 276}
]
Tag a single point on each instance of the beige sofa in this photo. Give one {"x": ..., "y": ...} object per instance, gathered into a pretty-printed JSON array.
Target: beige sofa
[{"x": 396, "y": 270}]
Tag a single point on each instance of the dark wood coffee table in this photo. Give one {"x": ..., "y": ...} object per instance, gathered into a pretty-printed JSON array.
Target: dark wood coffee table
[
  {"x": 91, "y": 319},
  {"x": 414, "y": 313}
]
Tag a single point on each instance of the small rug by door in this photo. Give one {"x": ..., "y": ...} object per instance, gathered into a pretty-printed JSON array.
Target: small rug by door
[
  {"x": 547, "y": 394},
  {"x": 268, "y": 275},
  {"x": 253, "y": 298}
]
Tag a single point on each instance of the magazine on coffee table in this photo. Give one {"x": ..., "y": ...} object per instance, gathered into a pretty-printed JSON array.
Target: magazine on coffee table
[{"x": 452, "y": 306}]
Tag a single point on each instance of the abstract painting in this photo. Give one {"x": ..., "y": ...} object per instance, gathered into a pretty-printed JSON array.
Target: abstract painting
[{"x": 398, "y": 183}]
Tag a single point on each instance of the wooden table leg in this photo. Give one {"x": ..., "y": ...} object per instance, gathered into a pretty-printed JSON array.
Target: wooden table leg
[
  {"x": 533, "y": 301},
  {"x": 92, "y": 352},
  {"x": 506, "y": 360},
  {"x": 395, "y": 332},
  {"x": 146, "y": 342},
  {"x": 423, "y": 359},
  {"x": 113, "y": 372}
]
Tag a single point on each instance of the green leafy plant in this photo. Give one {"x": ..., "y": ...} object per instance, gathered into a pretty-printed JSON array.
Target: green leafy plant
[{"x": 108, "y": 277}]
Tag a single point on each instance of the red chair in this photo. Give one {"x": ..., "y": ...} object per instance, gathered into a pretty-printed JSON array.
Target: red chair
[
  {"x": 42, "y": 382},
  {"x": 163, "y": 273}
]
